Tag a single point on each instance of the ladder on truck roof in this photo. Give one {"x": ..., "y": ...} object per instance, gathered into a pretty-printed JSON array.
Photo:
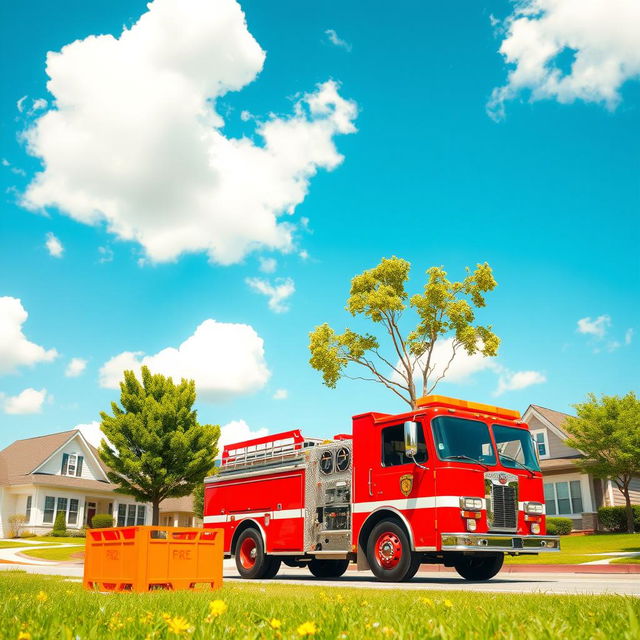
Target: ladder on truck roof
[{"x": 266, "y": 451}]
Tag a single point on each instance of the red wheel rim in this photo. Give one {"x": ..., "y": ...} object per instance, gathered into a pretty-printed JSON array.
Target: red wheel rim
[
  {"x": 388, "y": 550},
  {"x": 248, "y": 553}
]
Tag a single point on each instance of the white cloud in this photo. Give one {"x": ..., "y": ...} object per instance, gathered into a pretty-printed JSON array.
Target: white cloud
[
  {"x": 281, "y": 394},
  {"x": 245, "y": 115},
  {"x": 106, "y": 254},
  {"x": 268, "y": 265},
  {"x": 597, "y": 327},
  {"x": 515, "y": 381},
  {"x": 224, "y": 359},
  {"x": 15, "y": 349},
  {"x": 238, "y": 431},
  {"x": 278, "y": 292},
  {"x": 91, "y": 432},
  {"x": 335, "y": 39},
  {"x": 75, "y": 367},
  {"x": 20, "y": 104},
  {"x": 54, "y": 246},
  {"x": 38, "y": 105},
  {"x": 600, "y": 37},
  {"x": 304, "y": 254},
  {"x": 27, "y": 401},
  {"x": 134, "y": 139},
  {"x": 628, "y": 336}
]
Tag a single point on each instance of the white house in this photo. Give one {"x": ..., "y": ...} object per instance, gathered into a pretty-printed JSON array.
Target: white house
[
  {"x": 568, "y": 492},
  {"x": 62, "y": 472}
]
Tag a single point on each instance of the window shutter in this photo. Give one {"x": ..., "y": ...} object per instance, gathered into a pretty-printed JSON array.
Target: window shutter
[
  {"x": 79, "y": 466},
  {"x": 65, "y": 462}
]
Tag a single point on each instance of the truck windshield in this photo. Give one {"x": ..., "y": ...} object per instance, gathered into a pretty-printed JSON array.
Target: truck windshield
[
  {"x": 515, "y": 448},
  {"x": 465, "y": 441}
]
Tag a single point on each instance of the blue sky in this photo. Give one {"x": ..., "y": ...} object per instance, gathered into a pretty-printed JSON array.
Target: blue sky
[{"x": 541, "y": 182}]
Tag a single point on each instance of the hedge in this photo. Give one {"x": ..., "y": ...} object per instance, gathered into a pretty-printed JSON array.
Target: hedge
[
  {"x": 615, "y": 518},
  {"x": 102, "y": 520},
  {"x": 559, "y": 526},
  {"x": 60, "y": 525}
]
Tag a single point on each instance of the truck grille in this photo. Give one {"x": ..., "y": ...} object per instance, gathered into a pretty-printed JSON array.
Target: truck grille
[{"x": 505, "y": 510}]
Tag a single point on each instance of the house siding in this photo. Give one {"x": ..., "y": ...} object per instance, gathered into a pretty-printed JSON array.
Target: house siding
[
  {"x": 634, "y": 493},
  {"x": 89, "y": 472},
  {"x": 557, "y": 448}
]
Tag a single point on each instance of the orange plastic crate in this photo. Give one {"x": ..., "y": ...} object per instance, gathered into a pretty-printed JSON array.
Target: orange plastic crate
[{"x": 146, "y": 558}]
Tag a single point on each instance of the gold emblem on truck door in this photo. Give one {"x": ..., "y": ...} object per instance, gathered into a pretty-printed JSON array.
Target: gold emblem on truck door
[{"x": 406, "y": 484}]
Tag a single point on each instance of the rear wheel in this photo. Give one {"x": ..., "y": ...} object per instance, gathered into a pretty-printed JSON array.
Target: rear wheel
[
  {"x": 251, "y": 559},
  {"x": 273, "y": 568},
  {"x": 480, "y": 567},
  {"x": 328, "y": 568},
  {"x": 389, "y": 553}
]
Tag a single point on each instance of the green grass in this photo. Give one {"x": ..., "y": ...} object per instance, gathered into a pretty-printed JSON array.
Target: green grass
[
  {"x": 635, "y": 560},
  {"x": 61, "y": 554},
  {"x": 63, "y": 610},
  {"x": 10, "y": 545},
  {"x": 575, "y": 549},
  {"x": 63, "y": 540}
]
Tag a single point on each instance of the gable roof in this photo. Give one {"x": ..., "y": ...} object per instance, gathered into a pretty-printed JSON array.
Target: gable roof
[
  {"x": 554, "y": 419},
  {"x": 20, "y": 459}
]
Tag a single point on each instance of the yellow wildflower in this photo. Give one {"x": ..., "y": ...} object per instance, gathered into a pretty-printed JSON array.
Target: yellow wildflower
[
  {"x": 178, "y": 626},
  {"x": 448, "y": 603},
  {"x": 217, "y": 608},
  {"x": 274, "y": 623},
  {"x": 307, "y": 629},
  {"x": 42, "y": 596},
  {"x": 427, "y": 601},
  {"x": 24, "y": 635},
  {"x": 147, "y": 618}
]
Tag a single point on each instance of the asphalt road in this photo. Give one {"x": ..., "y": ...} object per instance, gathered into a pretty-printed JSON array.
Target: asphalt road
[{"x": 551, "y": 583}]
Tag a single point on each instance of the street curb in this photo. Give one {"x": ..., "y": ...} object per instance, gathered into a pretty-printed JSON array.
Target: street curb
[{"x": 542, "y": 568}]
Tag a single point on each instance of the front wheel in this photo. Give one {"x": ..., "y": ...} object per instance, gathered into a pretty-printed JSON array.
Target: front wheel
[
  {"x": 328, "y": 568},
  {"x": 389, "y": 553},
  {"x": 480, "y": 567},
  {"x": 251, "y": 560}
]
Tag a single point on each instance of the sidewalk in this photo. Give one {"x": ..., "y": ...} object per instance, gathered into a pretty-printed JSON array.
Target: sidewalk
[{"x": 13, "y": 555}]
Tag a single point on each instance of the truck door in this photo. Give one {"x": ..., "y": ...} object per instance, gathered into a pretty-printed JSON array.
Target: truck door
[{"x": 397, "y": 481}]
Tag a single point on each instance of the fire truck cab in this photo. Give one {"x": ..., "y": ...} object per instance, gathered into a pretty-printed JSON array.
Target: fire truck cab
[{"x": 451, "y": 482}]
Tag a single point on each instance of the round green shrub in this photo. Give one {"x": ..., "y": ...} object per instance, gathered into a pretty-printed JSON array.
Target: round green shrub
[
  {"x": 614, "y": 519},
  {"x": 102, "y": 521},
  {"x": 561, "y": 526},
  {"x": 60, "y": 524}
]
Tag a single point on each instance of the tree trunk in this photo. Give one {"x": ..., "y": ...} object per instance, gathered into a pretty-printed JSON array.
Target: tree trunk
[
  {"x": 155, "y": 519},
  {"x": 627, "y": 499}
]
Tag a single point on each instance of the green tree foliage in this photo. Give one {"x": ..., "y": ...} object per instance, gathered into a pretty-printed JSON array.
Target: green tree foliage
[
  {"x": 156, "y": 448},
  {"x": 607, "y": 432},
  {"x": 444, "y": 309},
  {"x": 59, "y": 524}
]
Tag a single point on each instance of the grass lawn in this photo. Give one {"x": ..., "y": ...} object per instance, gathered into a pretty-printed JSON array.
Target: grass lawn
[
  {"x": 48, "y": 608},
  {"x": 63, "y": 540},
  {"x": 635, "y": 560},
  {"x": 61, "y": 554},
  {"x": 574, "y": 549},
  {"x": 11, "y": 544}
]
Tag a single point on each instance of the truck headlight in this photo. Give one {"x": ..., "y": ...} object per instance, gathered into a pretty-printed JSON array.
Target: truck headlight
[
  {"x": 471, "y": 504},
  {"x": 536, "y": 508}
]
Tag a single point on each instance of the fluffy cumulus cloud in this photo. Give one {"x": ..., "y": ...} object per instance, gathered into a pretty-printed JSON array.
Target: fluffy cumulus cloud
[
  {"x": 628, "y": 336},
  {"x": 281, "y": 394},
  {"x": 27, "y": 401},
  {"x": 54, "y": 246},
  {"x": 569, "y": 50},
  {"x": 15, "y": 349},
  {"x": 238, "y": 431},
  {"x": 134, "y": 140},
  {"x": 91, "y": 432},
  {"x": 518, "y": 380},
  {"x": 463, "y": 368},
  {"x": 597, "y": 327},
  {"x": 224, "y": 359},
  {"x": 75, "y": 367},
  {"x": 277, "y": 292},
  {"x": 335, "y": 39}
]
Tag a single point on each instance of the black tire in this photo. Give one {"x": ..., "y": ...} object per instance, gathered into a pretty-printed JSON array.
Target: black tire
[
  {"x": 251, "y": 560},
  {"x": 480, "y": 567},
  {"x": 328, "y": 568},
  {"x": 413, "y": 569},
  {"x": 389, "y": 553},
  {"x": 272, "y": 569}
]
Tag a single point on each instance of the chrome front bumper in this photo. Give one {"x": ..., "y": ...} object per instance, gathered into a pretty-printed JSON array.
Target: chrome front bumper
[{"x": 499, "y": 542}]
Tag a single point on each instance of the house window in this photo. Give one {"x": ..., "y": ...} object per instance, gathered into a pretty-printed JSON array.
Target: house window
[
  {"x": 72, "y": 518},
  {"x": 122, "y": 514},
  {"x": 49, "y": 506},
  {"x": 62, "y": 506},
  {"x": 563, "y": 498},
  {"x": 540, "y": 438},
  {"x": 140, "y": 516},
  {"x": 27, "y": 511},
  {"x": 131, "y": 515},
  {"x": 72, "y": 464}
]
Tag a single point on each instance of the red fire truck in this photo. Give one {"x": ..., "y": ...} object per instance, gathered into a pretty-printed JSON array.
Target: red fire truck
[{"x": 451, "y": 482}]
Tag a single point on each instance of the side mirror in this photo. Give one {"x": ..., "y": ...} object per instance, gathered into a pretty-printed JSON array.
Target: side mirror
[{"x": 410, "y": 439}]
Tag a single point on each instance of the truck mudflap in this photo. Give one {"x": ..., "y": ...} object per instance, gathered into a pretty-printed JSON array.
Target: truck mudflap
[{"x": 499, "y": 542}]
